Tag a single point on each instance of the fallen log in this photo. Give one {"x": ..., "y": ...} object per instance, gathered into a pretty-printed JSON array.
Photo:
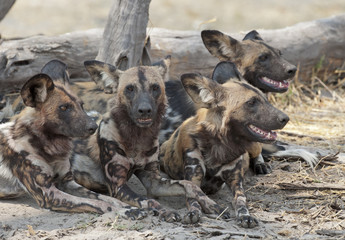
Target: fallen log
[{"x": 304, "y": 44}]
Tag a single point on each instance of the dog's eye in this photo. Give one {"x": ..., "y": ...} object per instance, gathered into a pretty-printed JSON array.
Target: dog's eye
[
  {"x": 130, "y": 88},
  {"x": 263, "y": 57},
  {"x": 280, "y": 53},
  {"x": 252, "y": 102},
  {"x": 63, "y": 107},
  {"x": 155, "y": 87}
]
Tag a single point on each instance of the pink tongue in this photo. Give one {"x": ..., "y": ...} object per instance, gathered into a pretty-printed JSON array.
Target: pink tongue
[
  {"x": 285, "y": 84},
  {"x": 273, "y": 135}
]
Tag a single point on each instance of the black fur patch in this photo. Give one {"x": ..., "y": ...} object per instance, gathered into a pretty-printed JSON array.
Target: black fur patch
[{"x": 151, "y": 152}]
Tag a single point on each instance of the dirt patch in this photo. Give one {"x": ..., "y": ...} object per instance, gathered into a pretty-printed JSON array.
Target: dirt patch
[{"x": 306, "y": 212}]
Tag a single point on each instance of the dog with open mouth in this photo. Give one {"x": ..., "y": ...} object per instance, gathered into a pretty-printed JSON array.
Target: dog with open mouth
[
  {"x": 261, "y": 65},
  {"x": 211, "y": 147}
]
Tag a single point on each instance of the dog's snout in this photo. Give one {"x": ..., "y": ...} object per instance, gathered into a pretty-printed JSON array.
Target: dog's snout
[
  {"x": 291, "y": 71},
  {"x": 145, "y": 109},
  {"x": 283, "y": 119},
  {"x": 92, "y": 128}
]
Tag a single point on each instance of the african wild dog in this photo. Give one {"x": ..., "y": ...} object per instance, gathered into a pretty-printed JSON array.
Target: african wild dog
[
  {"x": 260, "y": 65},
  {"x": 36, "y": 146},
  {"x": 210, "y": 147},
  {"x": 126, "y": 142},
  {"x": 263, "y": 67}
]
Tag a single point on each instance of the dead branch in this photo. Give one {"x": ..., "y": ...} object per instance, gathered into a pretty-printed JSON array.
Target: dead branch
[{"x": 314, "y": 186}]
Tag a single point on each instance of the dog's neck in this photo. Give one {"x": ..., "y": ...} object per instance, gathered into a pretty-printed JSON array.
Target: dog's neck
[
  {"x": 222, "y": 148},
  {"x": 51, "y": 146}
]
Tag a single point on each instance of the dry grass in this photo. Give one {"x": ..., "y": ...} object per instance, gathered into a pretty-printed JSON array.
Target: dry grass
[{"x": 316, "y": 107}]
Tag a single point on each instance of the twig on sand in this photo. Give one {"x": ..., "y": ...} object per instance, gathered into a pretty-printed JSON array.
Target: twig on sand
[
  {"x": 314, "y": 186},
  {"x": 329, "y": 90},
  {"x": 211, "y": 233},
  {"x": 329, "y": 157},
  {"x": 331, "y": 233},
  {"x": 221, "y": 214}
]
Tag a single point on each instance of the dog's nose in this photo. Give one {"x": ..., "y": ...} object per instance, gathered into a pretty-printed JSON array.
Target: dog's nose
[
  {"x": 92, "y": 128},
  {"x": 291, "y": 71},
  {"x": 144, "y": 109},
  {"x": 283, "y": 119}
]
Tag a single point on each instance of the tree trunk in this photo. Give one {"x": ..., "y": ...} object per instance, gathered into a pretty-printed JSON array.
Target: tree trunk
[
  {"x": 125, "y": 33},
  {"x": 5, "y": 6},
  {"x": 304, "y": 44}
]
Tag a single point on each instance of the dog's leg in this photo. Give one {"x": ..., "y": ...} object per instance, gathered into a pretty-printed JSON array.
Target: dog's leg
[
  {"x": 117, "y": 170},
  {"x": 194, "y": 170},
  {"x": 68, "y": 185},
  {"x": 40, "y": 185},
  {"x": 233, "y": 176},
  {"x": 257, "y": 163},
  {"x": 156, "y": 186},
  {"x": 88, "y": 172}
]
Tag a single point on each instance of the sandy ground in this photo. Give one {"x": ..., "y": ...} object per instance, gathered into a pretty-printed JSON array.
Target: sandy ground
[
  {"x": 293, "y": 214},
  {"x": 316, "y": 211}
]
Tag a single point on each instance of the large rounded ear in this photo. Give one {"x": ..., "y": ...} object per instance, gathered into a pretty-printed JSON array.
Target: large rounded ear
[
  {"x": 56, "y": 70},
  {"x": 163, "y": 67},
  {"x": 106, "y": 76},
  {"x": 220, "y": 45},
  {"x": 204, "y": 92},
  {"x": 254, "y": 35},
  {"x": 226, "y": 71},
  {"x": 36, "y": 90}
]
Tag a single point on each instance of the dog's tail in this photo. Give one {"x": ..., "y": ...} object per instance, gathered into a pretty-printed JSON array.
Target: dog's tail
[{"x": 280, "y": 149}]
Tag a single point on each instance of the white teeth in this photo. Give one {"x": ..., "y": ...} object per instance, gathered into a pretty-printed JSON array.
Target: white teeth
[
  {"x": 283, "y": 84},
  {"x": 267, "y": 135}
]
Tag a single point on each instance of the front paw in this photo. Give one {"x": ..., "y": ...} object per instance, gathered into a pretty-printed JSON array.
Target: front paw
[
  {"x": 262, "y": 168},
  {"x": 247, "y": 221},
  {"x": 192, "y": 217},
  {"x": 169, "y": 216},
  {"x": 134, "y": 213}
]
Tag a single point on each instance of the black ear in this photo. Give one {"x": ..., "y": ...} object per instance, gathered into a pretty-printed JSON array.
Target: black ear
[
  {"x": 36, "y": 90},
  {"x": 220, "y": 45},
  {"x": 204, "y": 92},
  {"x": 106, "y": 76},
  {"x": 226, "y": 71},
  {"x": 163, "y": 67},
  {"x": 254, "y": 35},
  {"x": 56, "y": 70}
]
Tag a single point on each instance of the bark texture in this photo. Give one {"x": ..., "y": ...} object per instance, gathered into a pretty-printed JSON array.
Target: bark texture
[{"x": 125, "y": 34}]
